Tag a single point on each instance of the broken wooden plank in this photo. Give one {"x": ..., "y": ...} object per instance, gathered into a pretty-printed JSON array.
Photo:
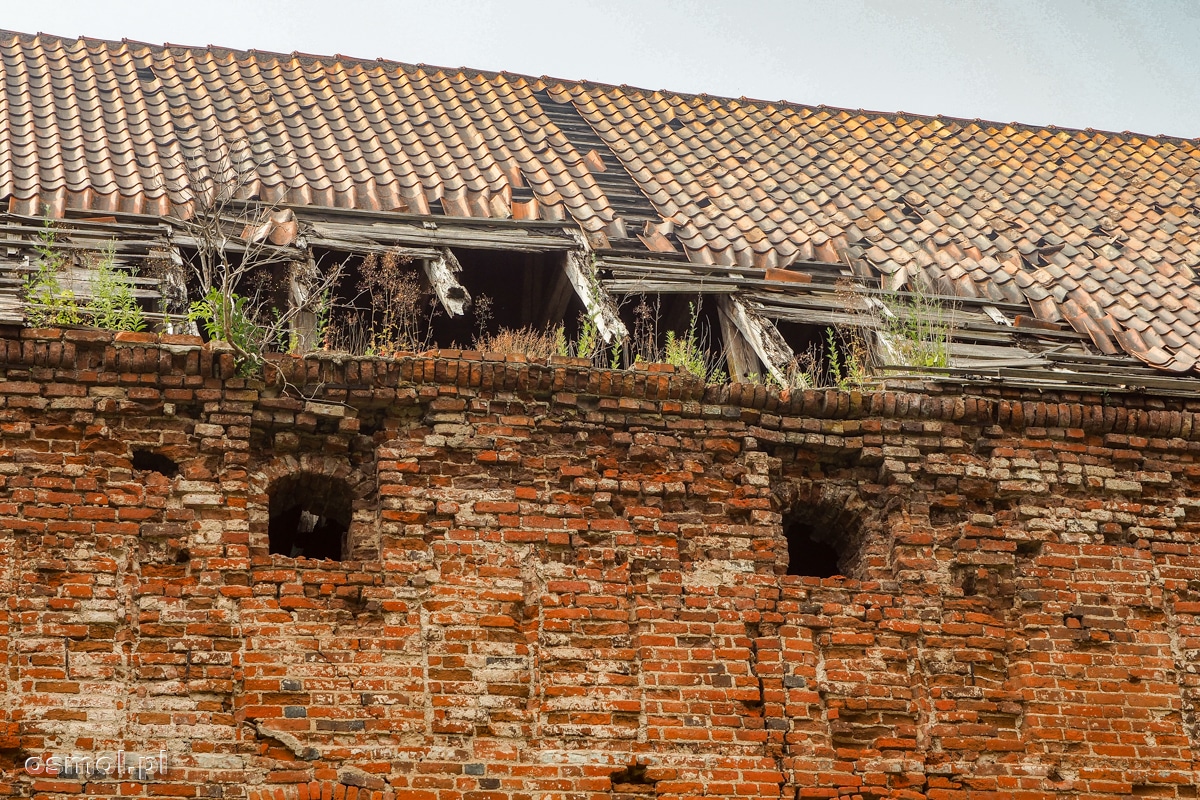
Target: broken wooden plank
[
  {"x": 740, "y": 357},
  {"x": 762, "y": 336},
  {"x": 997, "y": 316},
  {"x": 302, "y": 281},
  {"x": 642, "y": 286},
  {"x": 441, "y": 273},
  {"x": 600, "y": 307},
  {"x": 175, "y": 295},
  {"x": 442, "y": 235},
  {"x": 361, "y": 246}
]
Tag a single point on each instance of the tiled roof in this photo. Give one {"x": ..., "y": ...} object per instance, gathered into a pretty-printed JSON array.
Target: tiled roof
[
  {"x": 1096, "y": 230},
  {"x": 115, "y": 127}
]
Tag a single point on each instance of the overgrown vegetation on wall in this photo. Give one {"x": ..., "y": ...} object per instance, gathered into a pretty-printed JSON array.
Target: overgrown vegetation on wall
[{"x": 50, "y": 299}]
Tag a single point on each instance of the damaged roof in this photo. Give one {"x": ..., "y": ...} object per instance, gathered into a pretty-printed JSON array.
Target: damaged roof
[{"x": 1092, "y": 230}]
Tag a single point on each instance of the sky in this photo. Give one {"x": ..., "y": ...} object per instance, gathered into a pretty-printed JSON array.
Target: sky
[{"x": 1074, "y": 63}]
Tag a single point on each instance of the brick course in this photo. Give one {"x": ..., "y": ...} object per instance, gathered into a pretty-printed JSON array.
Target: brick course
[{"x": 569, "y": 583}]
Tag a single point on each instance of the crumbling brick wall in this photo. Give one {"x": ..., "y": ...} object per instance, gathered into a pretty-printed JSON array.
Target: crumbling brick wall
[{"x": 570, "y": 583}]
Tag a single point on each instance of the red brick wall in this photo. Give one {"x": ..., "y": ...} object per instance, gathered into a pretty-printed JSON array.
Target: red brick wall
[{"x": 569, "y": 583}]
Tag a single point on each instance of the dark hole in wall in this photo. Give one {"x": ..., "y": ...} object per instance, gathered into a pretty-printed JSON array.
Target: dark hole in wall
[
  {"x": 802, "y": 337},
  {"x": 809, "y": 554},
  {"x": 509, "y": 290},
  {"x": 12, "y": 757},
  {"x": 149, "y": 461},
  {"x": 309, "y": 516},
  {"x": 633, "y": 777},
  {"x": 1029, "y": 549}
]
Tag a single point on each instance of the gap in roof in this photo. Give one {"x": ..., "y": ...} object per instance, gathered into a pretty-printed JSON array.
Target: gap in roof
[{"x": 1074, "y": 63}]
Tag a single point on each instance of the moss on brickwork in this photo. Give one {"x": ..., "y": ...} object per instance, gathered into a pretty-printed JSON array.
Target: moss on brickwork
[{"x": 561, "y": 581}]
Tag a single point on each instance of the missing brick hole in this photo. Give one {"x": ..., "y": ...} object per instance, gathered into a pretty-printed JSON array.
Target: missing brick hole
[
  {"x": 1029, "y": 549},
  {"x": 12, "y": 757},
  {"x": 1120, "y": 538},
  {"x": 940, "y": 516},
  {"x": 370, "y": 424},
  {"x": 982, "y": 582},
  {"x": 633, "y": 775},
  {"x": 149, "y": 461},
  {"x": 309, "y": 516}
]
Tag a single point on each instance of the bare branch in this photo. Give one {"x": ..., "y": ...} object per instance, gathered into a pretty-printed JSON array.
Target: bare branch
[{"x": 257, "y": 283}]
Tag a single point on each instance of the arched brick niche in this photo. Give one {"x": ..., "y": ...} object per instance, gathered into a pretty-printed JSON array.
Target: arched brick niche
[
  {"x": 825, "y": 529},
  {"x": 315, "y": 506}
]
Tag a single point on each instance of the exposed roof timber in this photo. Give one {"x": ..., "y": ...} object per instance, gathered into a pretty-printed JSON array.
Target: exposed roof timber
[
  {"x": 134, "y": 249},
  {"x": 431, "y": 234},
  {"x": 363, "y": 248},
  {"x": 650, "y": 286},
  {"x": 740, "y": 357},
  {"x": 1073, "y": 381},
  {"x": 12, "y": 310},
  {"x": 372, "y": 216},
  {"x": 441, "y": 272},
  {"x": 762, "y": 336},
  {"x": 711, "y": 277},
  {"x": 981, "y": 345},
  {"x": 277, "y": 253},
  {"x": 600, "y": 307},
  {"x": 302, "y": 286}
]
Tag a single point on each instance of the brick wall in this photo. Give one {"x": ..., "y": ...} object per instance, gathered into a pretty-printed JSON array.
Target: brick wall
[{"x": 569, "y": 583}]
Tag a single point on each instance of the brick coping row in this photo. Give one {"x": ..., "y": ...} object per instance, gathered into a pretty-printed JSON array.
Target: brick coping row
[{"x": 107, "y": 358}]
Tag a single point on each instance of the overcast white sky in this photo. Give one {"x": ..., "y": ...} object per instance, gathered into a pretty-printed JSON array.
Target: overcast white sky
[{"x": 1077, "y": 63}]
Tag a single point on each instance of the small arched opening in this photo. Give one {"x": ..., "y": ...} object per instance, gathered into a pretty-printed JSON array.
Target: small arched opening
[
  {"x": 310, "y": 516},
  {"x": 823, "y": 531}
]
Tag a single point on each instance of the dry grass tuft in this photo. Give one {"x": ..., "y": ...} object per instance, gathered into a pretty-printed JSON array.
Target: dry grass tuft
[{"x": 529, "y": 342}]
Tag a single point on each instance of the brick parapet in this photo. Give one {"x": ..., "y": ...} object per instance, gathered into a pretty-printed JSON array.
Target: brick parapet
[{"x": 102, "y": 357}]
